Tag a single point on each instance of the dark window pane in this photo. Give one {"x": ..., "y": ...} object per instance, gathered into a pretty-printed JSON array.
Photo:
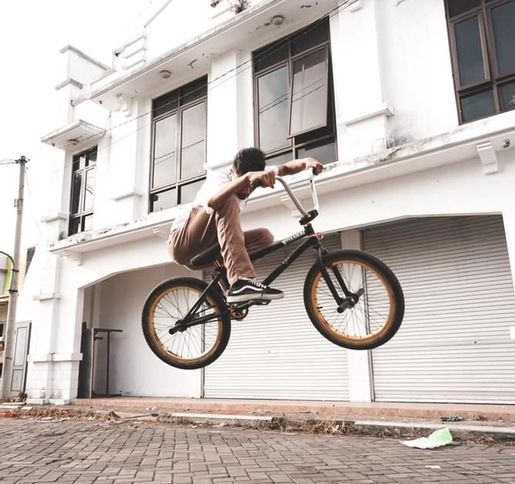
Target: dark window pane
[
  {"x": 193, "y": 147},
  {"x": 76, "y": 188},
  {"x": 324, "y": 152},
  {"x": 278, "y": 159},
  {"x": 87, "y": 222},
  {"x": 477, "y": 106},
  {"x": 507, "y": 96},
  {"x": 309, "y": 96},
  {"x": 194, "y": 90},
  {"x": 310, "y": 37},
  {"x": 76, "y": 163},
  {"x": 74, "y": 226},
  {"x": 503, "y": 18},
  {"x": 271, "y": 54},
  {"x": 165, "y": 145},
  {"x": 459, "y": 6},
  {"x": 163, "y": 200},
  {"x": 90, "y": 190},
  {"x": 91, "y": 157},
  {"x": 188, "y": 192},
  {"x": 166, "y": 103},
  {"x": 273, "y": 109},
  {"x": 470, "y": 56}
]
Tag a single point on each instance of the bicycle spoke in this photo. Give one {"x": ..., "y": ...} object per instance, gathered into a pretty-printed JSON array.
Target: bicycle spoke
[
  {"x": 366, "y": 316},
  {"x": 193, "y": 342}
]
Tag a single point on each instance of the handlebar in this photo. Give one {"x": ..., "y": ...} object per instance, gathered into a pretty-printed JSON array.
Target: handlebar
[{"x": 307, "y": 216}]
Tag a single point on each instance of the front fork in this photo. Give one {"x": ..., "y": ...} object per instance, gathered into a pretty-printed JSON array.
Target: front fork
[{"x": 351, "y": 298}]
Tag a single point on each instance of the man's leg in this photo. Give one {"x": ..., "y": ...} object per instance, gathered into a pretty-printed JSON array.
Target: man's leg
[
  {"x": 197, "y": 234},
  {"x": 232, "y": 241},
  {"x": 257, "y": 239},
  {"x": 240, "y": 270}
]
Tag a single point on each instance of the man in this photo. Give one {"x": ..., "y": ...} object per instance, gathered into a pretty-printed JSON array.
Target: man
[{"x": 215, "y": 214}]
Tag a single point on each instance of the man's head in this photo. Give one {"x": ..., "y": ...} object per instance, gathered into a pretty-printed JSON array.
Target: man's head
[{"x": 248, "y": 159}]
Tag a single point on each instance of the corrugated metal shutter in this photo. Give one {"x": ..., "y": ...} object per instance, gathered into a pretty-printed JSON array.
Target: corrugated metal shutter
[
  {"x": 454, "y": 344},
  {"x": 276, "y": 352}
]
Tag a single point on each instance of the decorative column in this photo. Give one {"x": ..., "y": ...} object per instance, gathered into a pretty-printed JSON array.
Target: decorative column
[
  {"x": 361, "y": 108},
  {"x": 359, "y": 362}
]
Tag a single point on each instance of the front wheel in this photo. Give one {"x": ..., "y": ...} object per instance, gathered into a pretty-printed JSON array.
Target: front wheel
[
  {"x": 354, "y": 299},
  {"x": 190, "y": 347}
]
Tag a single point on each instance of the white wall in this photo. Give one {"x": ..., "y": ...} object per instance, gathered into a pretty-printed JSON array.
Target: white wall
[
  {"x": 182, "y": 21},
  {"x": 456, "y": 189},
  {"x": 386, "y": 54},
  {"x": 416, "y": 69},
  {"x": 135, "y": 370}
]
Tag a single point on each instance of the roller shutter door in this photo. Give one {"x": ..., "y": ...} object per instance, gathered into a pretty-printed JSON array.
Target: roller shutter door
[
  {"x": 276, "y": 353},
  {"x": 454, "y": 344}
]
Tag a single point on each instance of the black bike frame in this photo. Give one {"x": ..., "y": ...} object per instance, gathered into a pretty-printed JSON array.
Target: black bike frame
[{"x": 312, "y": 239}]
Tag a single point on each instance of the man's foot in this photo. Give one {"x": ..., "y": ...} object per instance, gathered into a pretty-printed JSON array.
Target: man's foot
[{"x": 249, "y": 290}]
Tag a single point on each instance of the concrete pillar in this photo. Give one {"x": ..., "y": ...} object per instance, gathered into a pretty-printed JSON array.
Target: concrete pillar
[
  {"x": 508, "y": 216},
  {"x": 359, "y": 363},
  {"x": 227, "y": 104},
  {"x": 124, "y": 156},
  {"x": 361, "y": 108}
]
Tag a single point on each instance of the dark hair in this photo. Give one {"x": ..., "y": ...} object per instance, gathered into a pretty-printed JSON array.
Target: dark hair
[{"x": 249, "y": 159}]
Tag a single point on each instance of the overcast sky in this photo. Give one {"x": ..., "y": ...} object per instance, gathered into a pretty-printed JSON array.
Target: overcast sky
[{"x": 31, "y": 34}]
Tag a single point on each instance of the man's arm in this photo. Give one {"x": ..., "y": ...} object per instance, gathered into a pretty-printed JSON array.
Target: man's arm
[
  {"x": 296, "y": 166},
  {"x": 227, "y": 191},
  {"x": 243, "y": 184}
]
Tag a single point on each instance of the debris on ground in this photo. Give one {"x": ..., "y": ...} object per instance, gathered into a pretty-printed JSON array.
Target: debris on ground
[
  {"x": 438, "y": 438},
  {"x": 452, "y": 419},
  {"x": 281, "y": 423}
]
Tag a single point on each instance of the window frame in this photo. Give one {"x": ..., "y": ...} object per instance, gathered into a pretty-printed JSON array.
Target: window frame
[
  {"x": 318, "y": 48},
  {"x": 312, "y": 136},
  {"x": 81, "y": 214},
  {"x": 493, "y": 81},
  {"x": 178, "y": 111}
]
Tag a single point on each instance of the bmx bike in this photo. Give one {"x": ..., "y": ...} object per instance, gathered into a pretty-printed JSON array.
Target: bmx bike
[{"x": 352, "y": 298}]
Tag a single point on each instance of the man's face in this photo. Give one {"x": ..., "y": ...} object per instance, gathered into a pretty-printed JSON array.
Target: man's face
[{"x": 245, "y": 192}]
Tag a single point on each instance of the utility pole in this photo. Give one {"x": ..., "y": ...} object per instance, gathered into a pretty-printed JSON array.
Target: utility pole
[{"x": 13, "y": 291}]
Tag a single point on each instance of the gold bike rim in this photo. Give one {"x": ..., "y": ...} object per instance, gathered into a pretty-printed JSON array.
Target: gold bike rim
[
  {"x": 158, "y": 343},
  {"x": 385, "y": 284}
]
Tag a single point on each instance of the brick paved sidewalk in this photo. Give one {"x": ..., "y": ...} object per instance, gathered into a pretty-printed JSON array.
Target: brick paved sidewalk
[{"x": 84, "y": 451}]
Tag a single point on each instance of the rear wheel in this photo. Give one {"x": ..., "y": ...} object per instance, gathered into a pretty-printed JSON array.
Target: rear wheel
[
  {"x": 192, "y": 347},
  {"x": 372, "y": 311}
]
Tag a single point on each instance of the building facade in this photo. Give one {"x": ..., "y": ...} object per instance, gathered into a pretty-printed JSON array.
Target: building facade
[{"x": 410, "y": 106}]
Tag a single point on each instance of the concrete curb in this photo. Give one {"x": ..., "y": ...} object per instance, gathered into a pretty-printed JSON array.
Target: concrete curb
[
  {"x": 461, "y": 431},
  {"x": 401, "y": 428}
]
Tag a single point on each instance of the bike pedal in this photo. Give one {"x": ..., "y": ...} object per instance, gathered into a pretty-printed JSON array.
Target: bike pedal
[{"x": 261, "y": 302}]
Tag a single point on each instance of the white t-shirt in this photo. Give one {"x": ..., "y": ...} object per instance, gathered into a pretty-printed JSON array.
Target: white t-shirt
[{"x": 213, "y": 184}]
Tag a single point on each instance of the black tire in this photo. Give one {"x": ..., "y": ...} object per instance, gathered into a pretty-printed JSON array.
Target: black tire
[
  {"x": 198, "y": 345},
  {"x": 372, "y": 326}
]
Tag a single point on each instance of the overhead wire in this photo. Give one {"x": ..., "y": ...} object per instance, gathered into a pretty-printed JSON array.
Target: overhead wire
[
  {"x": 267, "y": 52},
  {"x": 34, "y": 219}
]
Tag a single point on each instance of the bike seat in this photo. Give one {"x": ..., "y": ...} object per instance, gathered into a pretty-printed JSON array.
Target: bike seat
[{"x": 206, "y": 257}]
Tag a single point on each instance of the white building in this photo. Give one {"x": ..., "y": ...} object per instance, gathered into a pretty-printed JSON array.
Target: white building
[{"x": 412, "y": 109}]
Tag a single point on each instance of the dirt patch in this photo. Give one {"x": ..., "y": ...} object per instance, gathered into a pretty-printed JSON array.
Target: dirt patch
[{"x": 278, "y": 424}]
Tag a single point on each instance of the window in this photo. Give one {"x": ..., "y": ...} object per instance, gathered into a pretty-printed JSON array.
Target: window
[
  {"x": 83, "y": 191},
  {"x": 294, "y": 114},
  {"x": 482, "y": 39},
  {"x": 30, "y": 255},
  {"x": 178, "y": 145}
]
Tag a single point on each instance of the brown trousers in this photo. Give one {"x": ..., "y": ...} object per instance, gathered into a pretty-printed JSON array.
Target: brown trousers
[{"x": 202, "y": 229}]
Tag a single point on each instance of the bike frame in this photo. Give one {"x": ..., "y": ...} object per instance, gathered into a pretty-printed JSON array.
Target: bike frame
[{"x": 311, "y": 239}]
